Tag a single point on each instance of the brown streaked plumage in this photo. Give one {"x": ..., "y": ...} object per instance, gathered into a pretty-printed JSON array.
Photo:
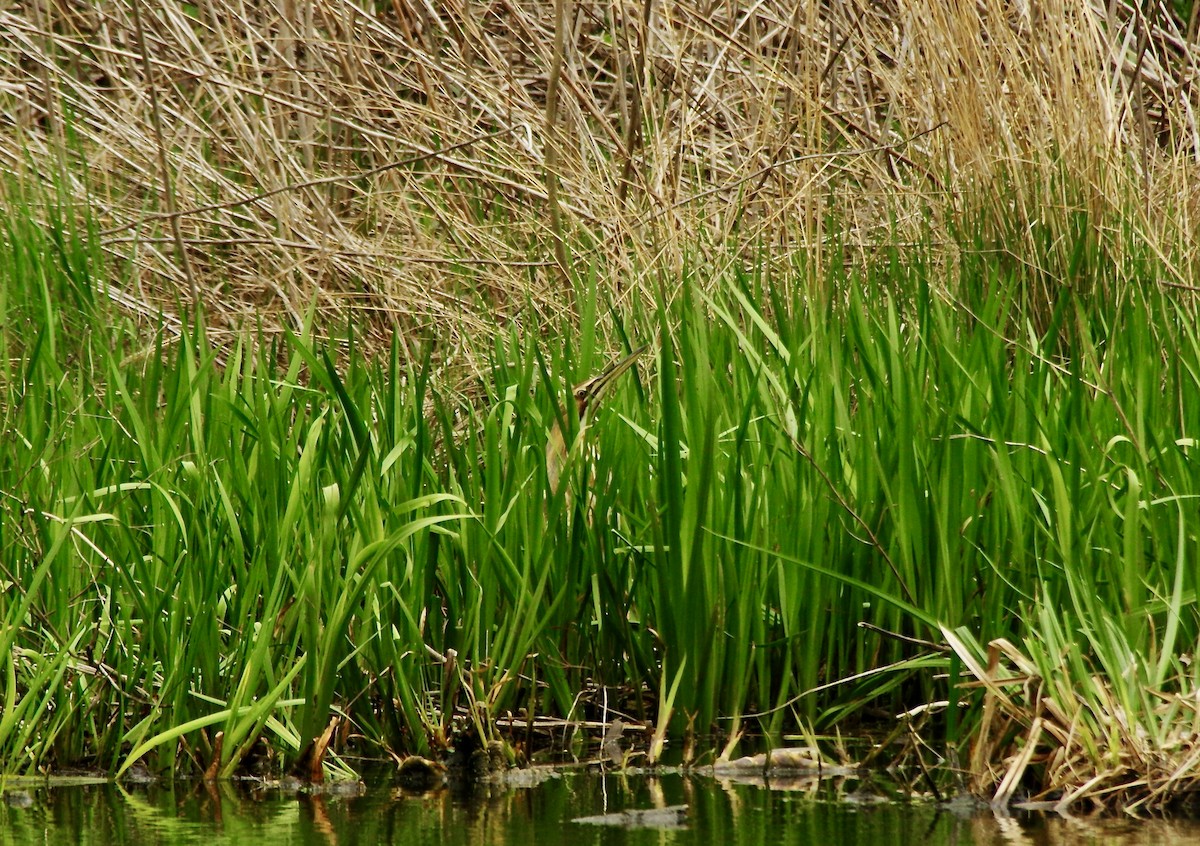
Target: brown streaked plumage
[{"x": 586, "y": 394}]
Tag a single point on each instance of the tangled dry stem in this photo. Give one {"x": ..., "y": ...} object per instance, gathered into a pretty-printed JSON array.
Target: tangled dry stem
[
  {"x": 402, "y": 160},
  {"x": 1042, "y": 737}
]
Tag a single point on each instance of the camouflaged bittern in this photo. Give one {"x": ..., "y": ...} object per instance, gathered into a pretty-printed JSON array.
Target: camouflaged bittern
[{"x": 587, "y": 395}]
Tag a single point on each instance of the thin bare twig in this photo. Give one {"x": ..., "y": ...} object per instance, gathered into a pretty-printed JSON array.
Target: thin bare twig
[{"x": 164, "y": 171}]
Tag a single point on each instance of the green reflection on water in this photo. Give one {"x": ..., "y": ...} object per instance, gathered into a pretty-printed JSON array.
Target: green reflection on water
[{"x": 725, "y": 814}]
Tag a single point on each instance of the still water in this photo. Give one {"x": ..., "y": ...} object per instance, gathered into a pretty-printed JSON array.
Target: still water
[{"x": 542, "y": 814}]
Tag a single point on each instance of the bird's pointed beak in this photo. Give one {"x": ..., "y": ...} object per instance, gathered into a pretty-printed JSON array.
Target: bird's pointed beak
[{"x": 591, "y": 390}]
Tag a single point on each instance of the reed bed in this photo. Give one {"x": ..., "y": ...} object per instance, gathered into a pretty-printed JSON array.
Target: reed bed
[
  {"x": 794, "y": 513},
  {"x": 914, "y": 434},
  {"x": 449, "y": 169}
]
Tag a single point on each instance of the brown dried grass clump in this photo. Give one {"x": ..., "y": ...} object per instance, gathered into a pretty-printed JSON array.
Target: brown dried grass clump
[
  {"x": 446, "y": 167},
  {"x": 1064, "y": 741}
]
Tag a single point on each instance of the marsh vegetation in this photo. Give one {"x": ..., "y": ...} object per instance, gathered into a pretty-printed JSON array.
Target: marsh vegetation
[{"x": 290, "y": 307}]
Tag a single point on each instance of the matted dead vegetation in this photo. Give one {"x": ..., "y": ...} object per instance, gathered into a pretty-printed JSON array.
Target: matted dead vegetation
[
  {"x": 441, "y": 166},
  {"x": 1058, "y": 738}
]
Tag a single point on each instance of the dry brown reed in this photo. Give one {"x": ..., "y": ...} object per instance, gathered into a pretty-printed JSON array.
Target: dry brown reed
[
  {"x": 429, "y": 165},
  {"x": 1056, "y": 743}
]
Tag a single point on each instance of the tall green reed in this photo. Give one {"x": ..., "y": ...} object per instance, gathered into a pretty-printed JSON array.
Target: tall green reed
[{"x": 254, "y": 539}]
